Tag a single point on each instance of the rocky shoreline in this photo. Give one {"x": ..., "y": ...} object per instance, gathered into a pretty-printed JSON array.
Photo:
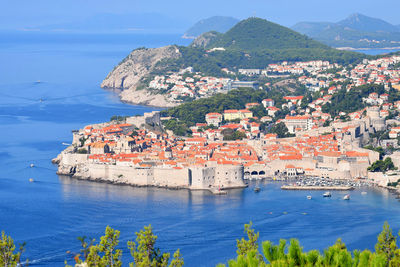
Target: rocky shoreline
[{"x": 127, "y": 76}]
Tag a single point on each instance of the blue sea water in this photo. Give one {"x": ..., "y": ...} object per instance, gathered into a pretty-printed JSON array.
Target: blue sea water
[
  {"x": 375, "y": 52},
  {"x": 52, "y": 212}
]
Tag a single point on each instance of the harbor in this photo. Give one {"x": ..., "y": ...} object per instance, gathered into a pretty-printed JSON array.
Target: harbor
[
  {"x": 333, "y": 188},
  {"x": 317, "y": 183}
]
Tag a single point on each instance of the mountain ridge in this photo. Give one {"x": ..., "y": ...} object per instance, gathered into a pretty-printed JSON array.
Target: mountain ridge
[
  {"x": 356, "y": 30},
  {"x": 216, "y": 23},
  {"x": 364, "y": 23}
]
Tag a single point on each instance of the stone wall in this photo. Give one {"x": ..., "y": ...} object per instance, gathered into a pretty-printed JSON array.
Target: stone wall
[
  {"x": 229, "y": 176},
  {"x": 200, "y": 177},
  {"x": 220, "y": 176}
]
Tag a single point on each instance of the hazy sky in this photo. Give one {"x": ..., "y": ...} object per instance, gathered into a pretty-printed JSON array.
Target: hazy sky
[{"x": 21, "y": 13}]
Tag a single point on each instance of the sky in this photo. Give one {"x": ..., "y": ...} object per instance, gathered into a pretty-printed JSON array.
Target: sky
[{"x": 17, "y": 14}]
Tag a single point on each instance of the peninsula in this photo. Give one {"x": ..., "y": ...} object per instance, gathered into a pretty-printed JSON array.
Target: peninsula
[
  {"x": 332, "y": 116},
  {"x": 343, "y": 132}
]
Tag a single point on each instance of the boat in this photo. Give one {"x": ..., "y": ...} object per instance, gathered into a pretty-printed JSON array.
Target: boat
[
  {"x": 31, "y": 180},
  {"x": 309, "y": 197},
  {"x": 327, "y": 194},
  {"x": 257, "y": 189},
  {"x": 346, "y": 197},
  {"x": 32, "y": 165},
  {"x": 363, "y": 193},
  {"x": 65, "y": 144}
]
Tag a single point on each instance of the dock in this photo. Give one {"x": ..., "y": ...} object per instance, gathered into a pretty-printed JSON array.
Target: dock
[{"x": 323, "y": 188}]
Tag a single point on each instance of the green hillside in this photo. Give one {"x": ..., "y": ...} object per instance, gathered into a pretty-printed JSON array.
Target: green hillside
[
  {"x": 254, "y": 43},
  {"x": 255, "y": 34}
]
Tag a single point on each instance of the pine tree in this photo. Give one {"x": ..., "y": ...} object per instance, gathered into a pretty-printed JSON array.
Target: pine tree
[
  {"x": 105, "y": 253},
  {"x": 245, "y": 246},
  {"x": 146, "y": 254},
  {"x": 386, "y": 244},
  {"x": 8, "y": 258}
]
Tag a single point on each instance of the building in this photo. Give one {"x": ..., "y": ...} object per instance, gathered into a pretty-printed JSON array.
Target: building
[
  {"x": 238, "y": 84},
  {"x": 268, "y": 102},
  {"x": 272, "y": 111},
  {"x": 298, "y": 123},
  {"x": 233, "y": 114},
  {"x": 213, "y": 119},
  {"x": 250, "y": 72},
  {"x": 295, "y": 100}
]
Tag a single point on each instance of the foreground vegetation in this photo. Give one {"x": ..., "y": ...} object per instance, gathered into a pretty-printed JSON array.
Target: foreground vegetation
[
  {"x": 145, "y": 254},
  {"x": 386, "y": 253}
]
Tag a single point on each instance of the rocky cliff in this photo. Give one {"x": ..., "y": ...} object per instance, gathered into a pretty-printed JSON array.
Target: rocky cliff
[
  {"x": 138, "y": 65},
  {"x": 205, "y": 39}
]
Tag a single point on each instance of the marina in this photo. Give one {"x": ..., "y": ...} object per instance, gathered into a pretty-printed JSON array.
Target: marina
[
  {"x": 323, "y": 184},
  {"x": 336, "y": 188}
]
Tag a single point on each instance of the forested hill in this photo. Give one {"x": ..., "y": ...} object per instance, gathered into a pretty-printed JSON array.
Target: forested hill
[
  {"x": 256, "y": 34},
  {"x": 254, "y": 43}
]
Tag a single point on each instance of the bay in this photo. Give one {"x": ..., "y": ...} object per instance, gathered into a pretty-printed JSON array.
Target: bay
[{"x": 36, "y": 118}]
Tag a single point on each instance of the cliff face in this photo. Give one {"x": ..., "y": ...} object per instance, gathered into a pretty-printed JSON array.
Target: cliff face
[
  {"x": 205, "y": 39},
  {"x": 136, "y": 66}
]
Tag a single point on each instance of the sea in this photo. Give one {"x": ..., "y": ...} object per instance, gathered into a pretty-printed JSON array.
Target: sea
[
  {"x": 377, "y": 51},
  {"x": 49, "y": 85}
]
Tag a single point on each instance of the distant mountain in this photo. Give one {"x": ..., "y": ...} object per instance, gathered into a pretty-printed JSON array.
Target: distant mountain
[
  {"x": 254, "y": 34},
  {"x": 217, "y": 23},
  {"x": 367, "y": 24},
  {"x": 311, "y": 28},
  {"x": 144, "y": 22},
  {"x": 356, "y": 31}
]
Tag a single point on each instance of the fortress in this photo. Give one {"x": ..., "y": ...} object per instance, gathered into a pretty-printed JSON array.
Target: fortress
[
  {"x": 196, "y": 178},
  {"x": 139, "y": 153}
]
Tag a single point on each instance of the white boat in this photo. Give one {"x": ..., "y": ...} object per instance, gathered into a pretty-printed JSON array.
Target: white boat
[
  {"x": 363, "y": 193},
  {"x": 309, "y": 197},
  {"x": 346, "y": 197},
  {"x": 32, "y": 165},
  {"x": 31, "y": 180},
  {"x": 327, "y": 194}
]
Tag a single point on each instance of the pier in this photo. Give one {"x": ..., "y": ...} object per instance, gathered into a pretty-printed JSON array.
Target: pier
[{"x": 324, "y": 188}]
